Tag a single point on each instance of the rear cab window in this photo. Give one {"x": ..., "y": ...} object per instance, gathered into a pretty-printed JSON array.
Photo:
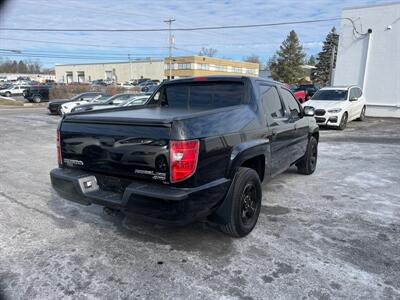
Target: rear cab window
[{"x": 201, "y": 95}]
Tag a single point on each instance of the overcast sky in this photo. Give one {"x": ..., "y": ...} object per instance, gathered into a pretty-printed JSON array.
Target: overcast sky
[{"x": 124, "y": 14}]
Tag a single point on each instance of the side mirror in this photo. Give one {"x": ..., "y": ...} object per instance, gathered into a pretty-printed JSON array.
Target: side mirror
[
  {"x": 309, "y": 111},
  {"x": 353, "y": 99}
]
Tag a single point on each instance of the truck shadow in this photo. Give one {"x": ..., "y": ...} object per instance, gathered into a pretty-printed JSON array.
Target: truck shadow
[{"x": 198, "y": 237}]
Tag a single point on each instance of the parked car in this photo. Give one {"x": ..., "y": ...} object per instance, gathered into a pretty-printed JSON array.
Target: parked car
[
  {"x": 304, "y": 92},
  {"x": 141, "y": 80},
  {"x": 145, "y": 87},
  {"x": 67, "y": 107},
  {"x": 54, "y": 106},
  {"x": 151, "y": 89},
  {"x": 14, "y": 90},
  {"x": 200, "y": 148},
  {"x": 37, "y": 93},
  {"x": 100, "y": 82},
  {"x": 336, "y": 106},
  {"x": 104, "y": 103}
]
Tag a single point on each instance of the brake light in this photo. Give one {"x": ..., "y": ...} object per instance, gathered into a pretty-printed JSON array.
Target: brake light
[
  {"x": 59, "y": 155},
  {"x": 183, "y": 159},
  {"x": 200, "y": 79}
]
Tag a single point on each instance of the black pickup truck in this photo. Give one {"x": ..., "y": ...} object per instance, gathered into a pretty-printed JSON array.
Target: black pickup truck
[{"x": 199, "y": 148}]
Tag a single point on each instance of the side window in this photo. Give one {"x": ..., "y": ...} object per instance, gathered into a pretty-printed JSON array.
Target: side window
[
  {"x": 353, "y": 93},
  {"x": 359, "y": 92},
  {"x": 290, "y": 102},
  {"x": 271, "y": 101}
]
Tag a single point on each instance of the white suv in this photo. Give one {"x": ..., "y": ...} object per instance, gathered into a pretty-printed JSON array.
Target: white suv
[
  {"x": 15, "y": 90},
  {"x": 336, "y": 106}
]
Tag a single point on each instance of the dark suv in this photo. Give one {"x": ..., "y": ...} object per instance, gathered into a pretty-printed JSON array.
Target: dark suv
[{"x": 38, "y": 93}]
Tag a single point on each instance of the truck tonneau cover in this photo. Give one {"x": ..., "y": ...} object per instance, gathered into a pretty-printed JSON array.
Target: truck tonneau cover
[{"x": 155, "y": 115}]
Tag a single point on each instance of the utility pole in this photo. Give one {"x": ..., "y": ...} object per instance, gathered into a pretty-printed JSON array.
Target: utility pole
[
  {"x": 130, "y": 66},
  {"x": 170, "y": 45},
  {"x": 331, "y": 65}
]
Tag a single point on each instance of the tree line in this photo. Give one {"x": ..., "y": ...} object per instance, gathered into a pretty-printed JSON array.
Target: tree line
[
  {"x": 23, "y": 67},
  {"x": 286, "y": 64}
]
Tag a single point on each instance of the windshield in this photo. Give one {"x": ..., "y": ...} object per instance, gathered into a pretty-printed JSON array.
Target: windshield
[
  {"x": 76, "y": 97},
  {"x": 330, "y": 95},
  {"x": 135, "y": 101},
  {"x": 202, "y": 95},
  {"x": 119, "y": 99},
  {"x": 103, "y": 99}
]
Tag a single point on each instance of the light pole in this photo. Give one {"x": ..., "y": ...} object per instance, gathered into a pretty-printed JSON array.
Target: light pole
[{"x": 170, "y": 45}]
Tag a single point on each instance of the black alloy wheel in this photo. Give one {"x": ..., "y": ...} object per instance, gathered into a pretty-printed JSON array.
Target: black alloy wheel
[{"x": 248, "y": 204}]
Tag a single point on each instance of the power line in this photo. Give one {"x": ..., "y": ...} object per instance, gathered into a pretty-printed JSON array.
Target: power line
[
  {"x": 183, "y": 29},
  {"x": 75, "y": 57},
  {"x": 82, "y": 44},
  {"x": 149, "y": 47}
]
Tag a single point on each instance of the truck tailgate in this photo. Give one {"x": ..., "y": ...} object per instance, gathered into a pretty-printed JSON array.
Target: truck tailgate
[{"x": 130, "y": 150}]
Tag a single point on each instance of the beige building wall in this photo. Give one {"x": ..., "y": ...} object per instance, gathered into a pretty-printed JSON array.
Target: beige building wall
[
  {"x": 187, "y": 66},
  {"x": 118, "y": 71}
]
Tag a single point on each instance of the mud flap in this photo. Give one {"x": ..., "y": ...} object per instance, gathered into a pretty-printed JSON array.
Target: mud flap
[{"x": 223, "y": 214}]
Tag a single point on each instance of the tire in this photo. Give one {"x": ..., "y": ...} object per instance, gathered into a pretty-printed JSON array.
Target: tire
[
  {"x": 246, "y": 203},
  {"x": 362, "y": 114},
  {"x": 343, "y": 121},
  {"x": 308, "y": 163},
  {"x": 36, "y": 99},
  {"x": 59, "y": 112},
  {"x": 7, "y": 94}
]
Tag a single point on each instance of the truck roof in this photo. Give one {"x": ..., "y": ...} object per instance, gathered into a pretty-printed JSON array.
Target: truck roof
[{"x": 222, "y": 78}]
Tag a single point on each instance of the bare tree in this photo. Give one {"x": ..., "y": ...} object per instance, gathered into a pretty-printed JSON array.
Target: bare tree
[
  {"x": 253, "y": 59},
  {"x": 208, "y": 52}
]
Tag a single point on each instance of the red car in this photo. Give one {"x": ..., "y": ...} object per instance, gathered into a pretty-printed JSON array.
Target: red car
[
  {"x": 305, "y": 91},
  {"x": 301, "y": 95}
]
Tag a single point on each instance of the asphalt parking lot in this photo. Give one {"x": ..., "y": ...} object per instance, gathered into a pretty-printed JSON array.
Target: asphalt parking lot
[{"x": 335, "y": 234}]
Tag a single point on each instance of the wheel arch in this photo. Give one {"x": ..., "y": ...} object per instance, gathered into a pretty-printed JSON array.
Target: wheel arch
[{"x": 252, "y": 154}]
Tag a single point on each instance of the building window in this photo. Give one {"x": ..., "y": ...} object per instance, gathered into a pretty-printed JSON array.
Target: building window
[
  {"x": 184, "y": 66},
  {"x": 221, "y": 68},
  {"x": 203, "y": 66},
  {"x": 236, "y": 70}
]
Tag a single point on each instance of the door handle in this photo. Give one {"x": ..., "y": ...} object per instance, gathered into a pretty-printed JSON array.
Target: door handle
[{"x": 274, "y": 132}]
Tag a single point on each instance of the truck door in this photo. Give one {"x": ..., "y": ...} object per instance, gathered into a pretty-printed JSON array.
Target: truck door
[
  {"x": 279, "y": 130},
  {"x": 298, "y": 144}
]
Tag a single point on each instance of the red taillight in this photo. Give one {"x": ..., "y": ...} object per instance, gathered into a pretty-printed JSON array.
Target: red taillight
[
  {"x": 183, "y": 159},
  {"x": 59, "y": 155}
]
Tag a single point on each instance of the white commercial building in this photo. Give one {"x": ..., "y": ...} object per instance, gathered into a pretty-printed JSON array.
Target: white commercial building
[
  {"x": 370, "y": 56},
  {"x": 116, "y": 71}
]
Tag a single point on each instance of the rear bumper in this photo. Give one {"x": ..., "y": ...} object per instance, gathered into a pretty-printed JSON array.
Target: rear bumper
[
  {"x": 154, "y": 202},
  {"x": 53, "y": 109}
]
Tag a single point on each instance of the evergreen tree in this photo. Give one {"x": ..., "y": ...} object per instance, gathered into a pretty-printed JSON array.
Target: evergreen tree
[
  {"x": 286, "y": 64},
  {"x": 311, "y": 61},
  {"x": 323, "y": 67}
]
